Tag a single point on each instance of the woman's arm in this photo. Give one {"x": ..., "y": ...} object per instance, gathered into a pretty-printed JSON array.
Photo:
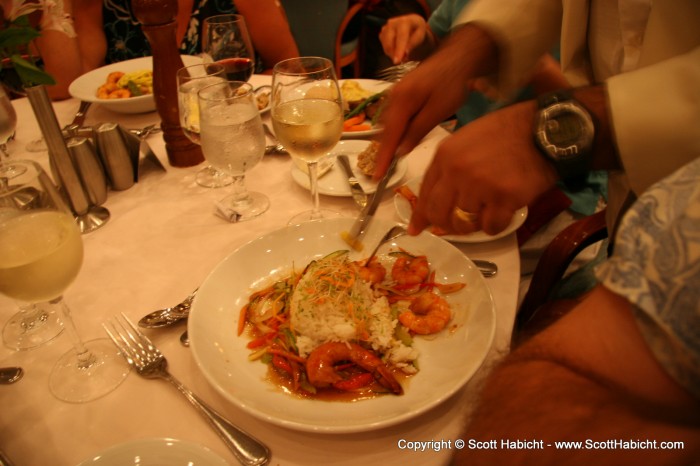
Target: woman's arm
[
  {"x": 66, "y": 58},
  {"x": 269, "y": 30}
]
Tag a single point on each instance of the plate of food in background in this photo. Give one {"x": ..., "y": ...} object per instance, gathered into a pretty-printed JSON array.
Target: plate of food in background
[
  {"x": 122, "y": 87},
  {"x": 332, "y": 179},
  {"x": 363, "y": 101}
]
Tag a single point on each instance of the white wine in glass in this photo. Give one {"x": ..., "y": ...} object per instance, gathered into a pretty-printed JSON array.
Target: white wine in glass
[
  {"x": 307, "y": 115},
  {"x": 190, "y": 80},
  {"x": 41, "y": 252},
  {"x": 233, "y": 141}
]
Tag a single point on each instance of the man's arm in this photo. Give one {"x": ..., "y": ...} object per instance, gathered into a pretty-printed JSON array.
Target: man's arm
[{"x": 588, "y": 376}]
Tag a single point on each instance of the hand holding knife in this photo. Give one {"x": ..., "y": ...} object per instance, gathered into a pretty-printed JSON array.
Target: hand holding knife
[{"x": 360, "y": 226}]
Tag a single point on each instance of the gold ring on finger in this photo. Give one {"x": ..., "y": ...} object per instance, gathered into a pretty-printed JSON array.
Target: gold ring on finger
[{"x": 464, "y": 215}]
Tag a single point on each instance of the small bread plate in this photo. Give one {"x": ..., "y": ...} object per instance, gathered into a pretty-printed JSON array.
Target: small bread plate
[
  {"x": 222, "y": 355},
  {"x": 156, "y": 452},
  {"x": 334, "y": 182},
  {"x": 403, "y": 209},
  {"x": 374, "y": 86},
  {"x": 85, "y": 87}
]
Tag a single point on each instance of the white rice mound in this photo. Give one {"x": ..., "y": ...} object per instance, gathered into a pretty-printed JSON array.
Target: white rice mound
[{"x": 317, "y": 321}]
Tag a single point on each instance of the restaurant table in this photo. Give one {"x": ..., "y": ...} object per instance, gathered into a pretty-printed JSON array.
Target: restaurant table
[{"x": 161, "y": 242}]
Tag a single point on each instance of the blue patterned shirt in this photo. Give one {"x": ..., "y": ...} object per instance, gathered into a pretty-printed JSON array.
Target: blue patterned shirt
[{"x": 656, "y": 266}]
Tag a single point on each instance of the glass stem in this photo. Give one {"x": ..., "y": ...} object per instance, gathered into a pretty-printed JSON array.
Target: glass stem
[
  {"x": 33, "y": 317},
  {"x": 240, "y": 194},
  {"x": 85, "y": 357},
  {"x": 313, "y": 183}
]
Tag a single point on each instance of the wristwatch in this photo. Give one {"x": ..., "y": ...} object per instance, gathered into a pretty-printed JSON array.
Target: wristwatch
[{"x": 564, "y": 132}]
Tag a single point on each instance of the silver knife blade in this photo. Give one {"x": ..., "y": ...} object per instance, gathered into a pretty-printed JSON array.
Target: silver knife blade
[
  {"x": 358, "y": 194},
  {"x": 360, "y": 226}
]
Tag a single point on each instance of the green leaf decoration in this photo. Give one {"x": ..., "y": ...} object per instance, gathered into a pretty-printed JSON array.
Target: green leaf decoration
[{"x": 29, "y": 73}]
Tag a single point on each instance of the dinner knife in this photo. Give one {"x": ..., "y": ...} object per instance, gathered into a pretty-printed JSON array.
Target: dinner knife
[
  {"x": 358, "y": 229},
  {"x": 358, "y": 194}
]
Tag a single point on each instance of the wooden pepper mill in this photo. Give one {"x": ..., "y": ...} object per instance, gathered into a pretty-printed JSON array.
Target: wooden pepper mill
[{"x": 158, "y": 21}]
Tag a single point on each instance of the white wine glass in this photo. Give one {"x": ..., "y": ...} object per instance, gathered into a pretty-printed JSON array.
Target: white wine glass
[
  {"x": 233, "y": 141},
  {"x": 41, "y": 252},
  {"x": 190, "y": 80},
  {"x": 307, "y": 115},
  {"x": 225, "y": 40}
]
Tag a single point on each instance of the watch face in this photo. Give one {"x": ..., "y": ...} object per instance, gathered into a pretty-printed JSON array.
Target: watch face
[{"x": 564, "y": 129}]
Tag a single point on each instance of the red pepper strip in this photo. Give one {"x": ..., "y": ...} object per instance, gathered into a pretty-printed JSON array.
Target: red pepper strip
[
  {"x": 355, "y": 382},
  {"x": 256, "y": 343},
  {"x": 287, "y": 355},
  {"x": 282, "y": 364}
]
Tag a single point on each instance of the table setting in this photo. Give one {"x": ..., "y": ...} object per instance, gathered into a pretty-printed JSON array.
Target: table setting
[{"x": 169, "y": 240}]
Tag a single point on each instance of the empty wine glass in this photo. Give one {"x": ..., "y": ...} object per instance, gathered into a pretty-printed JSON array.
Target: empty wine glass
[
  {"x": 233, "y": 141},
  {"x": 225, "y": 40},
  {"x": 8, "y": 121},
  {"x": 307, "y": 115},
  {"x": 41, "y": 252},
  {"x": 190, "y": 80}
]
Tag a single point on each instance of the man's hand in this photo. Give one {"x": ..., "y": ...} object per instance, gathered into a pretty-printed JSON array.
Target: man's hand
[
  {"x": 489, "y": 168},
  {"x": 433, "y": 91}
]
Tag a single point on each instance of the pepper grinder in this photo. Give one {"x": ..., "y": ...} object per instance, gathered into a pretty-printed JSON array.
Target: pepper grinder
[{"x": 157, "y": 18}]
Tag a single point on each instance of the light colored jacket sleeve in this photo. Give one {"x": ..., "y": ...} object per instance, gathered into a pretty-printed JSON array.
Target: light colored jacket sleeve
[
  {"x": 656, "y": 118},
  {"x": 524, "y": 30}
]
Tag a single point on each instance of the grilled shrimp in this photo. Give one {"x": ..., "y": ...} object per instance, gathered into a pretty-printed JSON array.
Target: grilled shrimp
[
  {"x": 374, "y": 272},
  {"x": 409, "y": 271},
  {"x": 321, "y": 371},
  {"x": 114, "y": 77},
  {"x": 427, "y": 314}
]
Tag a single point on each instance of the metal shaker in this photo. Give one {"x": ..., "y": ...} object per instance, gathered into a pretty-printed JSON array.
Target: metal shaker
[
  {"x": 89, "y": 168},
  {"x": 88, "y": 217},
  {"x": 115, "y": 155}
]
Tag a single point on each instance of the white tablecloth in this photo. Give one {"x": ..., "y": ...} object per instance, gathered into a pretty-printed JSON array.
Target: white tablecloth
[{"x": 160, "y": 243}]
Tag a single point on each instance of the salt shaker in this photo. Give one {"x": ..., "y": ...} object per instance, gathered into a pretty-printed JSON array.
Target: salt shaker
[
  {"x": 115, "y": 155},
  {"x": 89, "y": 168}
]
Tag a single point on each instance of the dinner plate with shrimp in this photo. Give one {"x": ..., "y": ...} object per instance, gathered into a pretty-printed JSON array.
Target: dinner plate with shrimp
[
  {"x": 405, "y": 196},
  {"x": 122, "y": 87},
  {"x": 297, "y": 330}
]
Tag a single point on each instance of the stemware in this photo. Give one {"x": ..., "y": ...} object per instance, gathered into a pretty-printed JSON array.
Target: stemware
[
  {"x": 225, "y": 40},
  {"x": 190, "y": 80},
  {"x": 307, "y": 115},
  {"x": 41, "y": 252},
  {"x": 232, "y": 140},
  {"x": 8, "y": 121}
]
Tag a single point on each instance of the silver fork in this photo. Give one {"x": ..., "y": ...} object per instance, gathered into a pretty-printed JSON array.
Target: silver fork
[
  {"x": 149, "y": 362},
  {"x": 396, "y": 72}
]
